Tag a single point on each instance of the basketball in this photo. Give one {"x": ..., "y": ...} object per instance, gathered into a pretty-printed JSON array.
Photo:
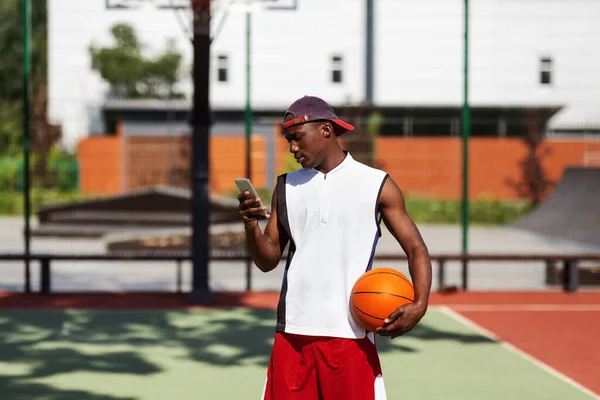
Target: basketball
[{"x": 376, "y": 294}]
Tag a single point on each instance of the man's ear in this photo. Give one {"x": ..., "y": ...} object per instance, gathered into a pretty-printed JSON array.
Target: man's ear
[{"x": 327, "y": 129}]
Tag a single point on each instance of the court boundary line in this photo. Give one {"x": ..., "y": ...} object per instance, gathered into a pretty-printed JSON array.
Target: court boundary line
[
  {"x": 524, "y": 307},
  {"x": 448, "y": 311}
]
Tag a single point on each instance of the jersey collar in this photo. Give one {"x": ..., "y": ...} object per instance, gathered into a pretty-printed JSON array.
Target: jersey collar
[{"x": 346, "y": 161}]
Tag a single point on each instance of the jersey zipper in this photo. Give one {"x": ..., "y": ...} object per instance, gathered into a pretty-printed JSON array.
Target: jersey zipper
[{"x": 324, "y": 207}]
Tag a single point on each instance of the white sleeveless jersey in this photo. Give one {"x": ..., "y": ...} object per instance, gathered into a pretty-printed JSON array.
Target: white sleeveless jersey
[{"x": 333, "y": 224}]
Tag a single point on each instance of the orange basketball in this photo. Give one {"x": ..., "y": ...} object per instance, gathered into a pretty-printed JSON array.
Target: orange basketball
[{"x": 376, "y": 294}]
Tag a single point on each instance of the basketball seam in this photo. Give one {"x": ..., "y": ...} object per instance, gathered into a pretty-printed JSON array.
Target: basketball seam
[
  {"x": 367, "y": 314},
  {"x": 383, "y": 272},
  {"x": 389, "y": 294}
]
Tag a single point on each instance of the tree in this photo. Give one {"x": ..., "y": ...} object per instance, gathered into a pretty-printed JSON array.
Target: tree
[
  {"x": 535, "y": 184},
  {"x": 45, "y": 137},
  {"x": 130, "y": 74},
  {"x": 162, "y": 73},
  {"x": 361, "y": 143},
  {"x": 11, "y": 69},
  {"x": 121, "y": 66}
]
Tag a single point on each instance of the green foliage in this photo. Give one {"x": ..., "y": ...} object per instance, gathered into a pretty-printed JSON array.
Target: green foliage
[
  {"x": 63, "y": 171},
  {"x": 265, "y": 195},
  {"x": 11, "y": 202},
  {"x": 374, "y": 122},
  {"x": 11, "y": 67},
  {"x": 132, "y": 75},
  {"x": 9, "y": 169},
  {"x": 481, "y": 211},
  {"x": 10, "y": 125},
  {"x": 290, "y": 164},
  {"x": 431, "y": 211}
]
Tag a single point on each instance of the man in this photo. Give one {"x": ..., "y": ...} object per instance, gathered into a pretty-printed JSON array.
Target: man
[{"x": 329, "y": 213}]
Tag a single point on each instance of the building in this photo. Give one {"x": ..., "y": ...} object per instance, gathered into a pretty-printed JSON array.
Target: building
[
  {"x": 533, "y": 67},
  {"x": 524, "y": 54}
]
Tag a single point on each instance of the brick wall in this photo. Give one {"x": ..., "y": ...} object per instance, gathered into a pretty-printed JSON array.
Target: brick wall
[{"x": 430, "y": 167}]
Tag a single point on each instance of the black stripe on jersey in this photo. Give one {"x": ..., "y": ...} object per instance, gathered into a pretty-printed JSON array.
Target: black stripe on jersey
[
  {"x": 377, "y": 213},
  {"x": 284, "y": 230},
  {"x": 372, "y": 257}
]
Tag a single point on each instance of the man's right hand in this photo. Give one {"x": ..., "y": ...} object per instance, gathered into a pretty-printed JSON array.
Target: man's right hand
[{"x": 249, "y": 210}]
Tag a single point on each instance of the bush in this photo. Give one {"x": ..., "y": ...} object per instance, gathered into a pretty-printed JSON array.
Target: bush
[
  {"x": 481, "y": 211},
  {"x": 65, "y": 170},
  {"x": 8, "y": 173},
  {"x": 12, "y": 202},
  {"x": 290, "y": 164},
  {"x": 265, "y": 195},
  {"x": 431, "y": 211},
  {"x": 62, "y": 172}
]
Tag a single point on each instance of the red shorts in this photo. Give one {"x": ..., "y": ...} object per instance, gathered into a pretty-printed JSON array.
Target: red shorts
[{"x": 323, "y": 368}]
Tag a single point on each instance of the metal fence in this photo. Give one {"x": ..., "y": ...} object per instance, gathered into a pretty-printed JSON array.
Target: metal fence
[{"x": 568, "y": 263}]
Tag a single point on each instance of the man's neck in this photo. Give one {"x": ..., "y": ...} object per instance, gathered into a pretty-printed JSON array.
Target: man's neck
[{"x": 332, "y": 160}]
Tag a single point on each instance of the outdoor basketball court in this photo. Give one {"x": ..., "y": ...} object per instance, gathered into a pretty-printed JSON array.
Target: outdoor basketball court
[{"x": 469, "y": 346}]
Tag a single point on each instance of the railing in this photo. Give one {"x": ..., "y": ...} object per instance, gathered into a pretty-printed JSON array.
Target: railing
[{"x": 570, "y": 262}]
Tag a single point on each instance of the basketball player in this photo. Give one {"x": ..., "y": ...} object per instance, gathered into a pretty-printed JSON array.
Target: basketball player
[{"x": 329, "y": 212}]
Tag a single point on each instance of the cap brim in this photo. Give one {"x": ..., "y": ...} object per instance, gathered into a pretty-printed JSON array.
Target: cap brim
[{"x": 344, "y": 125}]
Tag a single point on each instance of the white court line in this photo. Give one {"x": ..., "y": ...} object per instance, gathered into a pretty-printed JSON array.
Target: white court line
[
  {"x": 525, "y": 307},
  {"x": 481, "y": 330}
]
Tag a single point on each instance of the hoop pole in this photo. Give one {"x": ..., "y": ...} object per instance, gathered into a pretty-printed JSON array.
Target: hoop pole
[{"x": 200, "y": 154}]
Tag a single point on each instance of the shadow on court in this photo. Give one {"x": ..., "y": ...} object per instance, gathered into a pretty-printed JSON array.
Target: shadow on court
[
  {"x": 427, "y": 332},
  {"x": 38, "y": 345}
]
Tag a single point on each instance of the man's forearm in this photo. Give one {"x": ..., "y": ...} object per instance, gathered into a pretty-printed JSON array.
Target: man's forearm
[
  {"x": 420, "y": 270},
  {"x": 262, "y": 250}
]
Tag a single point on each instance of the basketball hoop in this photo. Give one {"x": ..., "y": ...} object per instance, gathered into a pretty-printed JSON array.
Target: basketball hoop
[
  {"x": 136, "y": 4},
  {"x": 200, "y": 16},
  {"x": 200, "y": 5}
]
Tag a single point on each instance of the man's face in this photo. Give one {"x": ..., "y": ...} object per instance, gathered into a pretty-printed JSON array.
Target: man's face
[{"x": 307, "y": 143}]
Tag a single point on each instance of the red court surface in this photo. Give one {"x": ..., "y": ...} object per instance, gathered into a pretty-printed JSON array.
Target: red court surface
[
  {"x": 567, "y": 341},
  {"x": 138, "y": 300}
]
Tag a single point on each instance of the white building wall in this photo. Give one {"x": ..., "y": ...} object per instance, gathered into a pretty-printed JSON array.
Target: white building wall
[
  {"x": 76, "y": 93},
  {"x": 418, "y": 55},
  {"x": 291, "y": 55}
]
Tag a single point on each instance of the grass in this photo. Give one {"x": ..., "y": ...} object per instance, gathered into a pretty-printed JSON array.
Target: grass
[
  {"x": 484, "y": 211},
  {"x": 481, "y": 211},
  {"x": 12, "y": 202}
]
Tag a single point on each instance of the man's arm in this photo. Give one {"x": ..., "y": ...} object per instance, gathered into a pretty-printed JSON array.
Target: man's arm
[
  {"x": 403, "y": 228},
  {"x": 265, "y": 248}
]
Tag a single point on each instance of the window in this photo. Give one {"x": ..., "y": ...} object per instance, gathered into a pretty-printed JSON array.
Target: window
[
  {"x": 546, "y": 71},
  {"x": 336, "y": 69},
  {"x": 222, "y": 68}
]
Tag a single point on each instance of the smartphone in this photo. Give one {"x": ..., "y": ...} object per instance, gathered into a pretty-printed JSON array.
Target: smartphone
[{"x": 244, "y": 184}]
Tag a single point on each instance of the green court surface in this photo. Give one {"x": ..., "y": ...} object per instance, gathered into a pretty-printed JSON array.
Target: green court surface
[{"x": 223, "y": 354}]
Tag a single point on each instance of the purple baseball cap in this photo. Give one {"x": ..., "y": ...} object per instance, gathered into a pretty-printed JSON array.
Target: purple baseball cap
[{"x": 309, "y": 109}]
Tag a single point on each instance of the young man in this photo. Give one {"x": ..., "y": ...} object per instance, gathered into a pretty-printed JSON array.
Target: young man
[{"x": 329, "y": 213}]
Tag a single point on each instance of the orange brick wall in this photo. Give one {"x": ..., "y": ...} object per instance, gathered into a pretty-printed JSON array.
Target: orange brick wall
[
  {"x": 111, "y": 165},
  {"x": 432, "y": 167},
  {"x": 228, "y": 161},
  {"x": 151, "y": 161},
  {"x": 429, "y": 167},
  {"x": 100, "y": 166}
]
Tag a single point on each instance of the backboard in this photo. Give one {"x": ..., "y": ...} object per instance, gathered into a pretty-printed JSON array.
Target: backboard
[
  {"x": 161, "y": 4},
  {"x": 219, "y": 9},
  {"x": 230, "y": 5}
]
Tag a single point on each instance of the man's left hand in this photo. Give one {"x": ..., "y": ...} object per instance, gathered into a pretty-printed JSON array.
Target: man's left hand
[{"x": 402, "y": 320}]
